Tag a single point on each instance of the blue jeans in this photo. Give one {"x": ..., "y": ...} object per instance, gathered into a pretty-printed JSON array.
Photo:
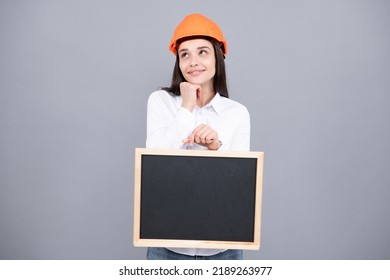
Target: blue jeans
[{"x": 166, "y": 254}]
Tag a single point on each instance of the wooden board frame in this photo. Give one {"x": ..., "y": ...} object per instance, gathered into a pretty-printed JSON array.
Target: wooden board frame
[{"x": 138, "y": 241}]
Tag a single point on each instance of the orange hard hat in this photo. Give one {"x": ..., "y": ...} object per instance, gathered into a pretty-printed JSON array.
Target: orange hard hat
[{"x": 197, "y": 25}]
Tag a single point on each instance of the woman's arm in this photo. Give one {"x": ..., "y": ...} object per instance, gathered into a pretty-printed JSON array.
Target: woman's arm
[
  {"x": 241, "y": 138},
  {"x": 167, "y": 125}
]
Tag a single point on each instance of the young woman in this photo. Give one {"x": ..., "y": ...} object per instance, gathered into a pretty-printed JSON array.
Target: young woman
[{"x": 195, "y": 112}]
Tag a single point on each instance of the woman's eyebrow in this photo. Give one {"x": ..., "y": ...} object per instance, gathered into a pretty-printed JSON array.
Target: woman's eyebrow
[
  {"x": 183, "y": 50},
  {"x": 204, "y": 47},
  {"x": 199, "y": 48}
]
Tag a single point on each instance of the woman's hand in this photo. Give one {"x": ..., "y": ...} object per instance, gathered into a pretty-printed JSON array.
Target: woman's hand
[
  {"x": 204, "y": 135},
  {"x": 189, "y": 93}
]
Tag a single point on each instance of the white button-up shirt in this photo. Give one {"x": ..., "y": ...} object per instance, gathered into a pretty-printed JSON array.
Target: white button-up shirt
[{"x": 168, "y": 124}]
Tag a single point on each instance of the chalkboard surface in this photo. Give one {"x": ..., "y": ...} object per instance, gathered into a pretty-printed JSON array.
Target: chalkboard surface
[{"x": 202, "y": 199}]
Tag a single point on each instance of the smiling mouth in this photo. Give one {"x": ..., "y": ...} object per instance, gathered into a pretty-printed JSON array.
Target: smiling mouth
[{"x": 196, "y": 72}]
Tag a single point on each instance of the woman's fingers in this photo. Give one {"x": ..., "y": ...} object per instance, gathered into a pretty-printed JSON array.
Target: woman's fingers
[{"x": 203, "y": 134}]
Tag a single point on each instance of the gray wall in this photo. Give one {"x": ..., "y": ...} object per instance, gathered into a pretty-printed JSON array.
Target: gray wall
[{"x": 74, "y": 81}]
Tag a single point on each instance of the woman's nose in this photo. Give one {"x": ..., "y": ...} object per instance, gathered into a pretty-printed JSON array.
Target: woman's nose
[{"x": 194, "y": 61}]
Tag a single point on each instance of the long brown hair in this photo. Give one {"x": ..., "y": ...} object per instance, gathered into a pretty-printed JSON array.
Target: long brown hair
[{"x": 219, "y": 81}]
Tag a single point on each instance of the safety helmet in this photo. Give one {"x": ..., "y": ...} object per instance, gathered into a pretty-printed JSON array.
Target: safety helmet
[{"x": 197, "y": 25}]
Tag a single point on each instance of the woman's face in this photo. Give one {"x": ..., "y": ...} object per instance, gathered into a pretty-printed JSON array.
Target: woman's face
[{"x": 197, "y": 61}]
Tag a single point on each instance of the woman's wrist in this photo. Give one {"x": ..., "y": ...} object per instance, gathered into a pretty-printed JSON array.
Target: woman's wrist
[{"x": 189, "y": 107}]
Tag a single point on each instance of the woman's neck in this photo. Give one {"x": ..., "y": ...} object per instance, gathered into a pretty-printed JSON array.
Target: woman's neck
[{"x": 206, "y": 96}]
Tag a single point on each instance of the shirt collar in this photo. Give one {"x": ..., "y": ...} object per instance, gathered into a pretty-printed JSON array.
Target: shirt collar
[{"x": 216, "y": 103}]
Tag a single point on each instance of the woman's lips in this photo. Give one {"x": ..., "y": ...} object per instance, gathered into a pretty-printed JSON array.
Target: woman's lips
[{"x": 195, "y": 72}]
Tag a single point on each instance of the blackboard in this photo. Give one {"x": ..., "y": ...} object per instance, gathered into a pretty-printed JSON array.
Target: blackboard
[{"x": 201, "y": 199}]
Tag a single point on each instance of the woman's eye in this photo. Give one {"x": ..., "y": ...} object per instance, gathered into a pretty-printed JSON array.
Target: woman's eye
[
  {"x": 184, "y": 55},
  {"x": 203, "y": 52}
]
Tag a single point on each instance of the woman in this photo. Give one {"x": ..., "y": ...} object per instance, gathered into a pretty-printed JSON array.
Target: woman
[{"x": 195, "y": 111}]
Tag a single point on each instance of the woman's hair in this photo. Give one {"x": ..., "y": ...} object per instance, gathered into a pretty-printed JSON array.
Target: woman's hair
[{"x": 219, "y": 81}]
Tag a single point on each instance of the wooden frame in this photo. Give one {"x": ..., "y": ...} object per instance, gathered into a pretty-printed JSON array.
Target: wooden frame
[{"x": 140, "y": 241}]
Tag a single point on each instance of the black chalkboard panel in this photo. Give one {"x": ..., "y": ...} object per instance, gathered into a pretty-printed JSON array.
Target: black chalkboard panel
[{"x": 202, "y": 199}]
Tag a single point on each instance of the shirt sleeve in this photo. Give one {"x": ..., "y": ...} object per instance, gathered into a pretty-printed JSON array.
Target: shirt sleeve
[
  {"x": 167, "y": 125},
  {"x": 241, "y": 138}
]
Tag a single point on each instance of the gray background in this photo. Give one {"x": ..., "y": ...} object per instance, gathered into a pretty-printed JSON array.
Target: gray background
[{"x": 74, "y": 81}]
